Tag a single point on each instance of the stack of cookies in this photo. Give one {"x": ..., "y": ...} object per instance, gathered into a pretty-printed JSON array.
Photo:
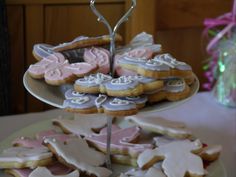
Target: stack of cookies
[
  {"x": 150, "y": 146},
  {"x": 142, "y": 76}
]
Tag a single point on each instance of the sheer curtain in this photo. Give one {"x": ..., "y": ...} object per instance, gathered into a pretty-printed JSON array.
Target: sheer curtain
[{"x": 4, "y": 62}]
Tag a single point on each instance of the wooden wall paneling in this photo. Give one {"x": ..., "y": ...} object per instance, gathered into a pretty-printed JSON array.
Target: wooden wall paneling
[
  {"x": 142, "y": 19},
  {"x": 188, "y": 13},
  {"x": 64, "y": 23},
  {"x": 34, "y": 32},
  {"x": 16, "y": 35},
  {"x": 186, "y": 45}
]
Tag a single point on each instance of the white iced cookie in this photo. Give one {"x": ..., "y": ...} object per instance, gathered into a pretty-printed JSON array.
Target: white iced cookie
[
  {"x": 44, "y": 172},
  {"x": 22, "y": 157},
  {"x": 83, "y": 126},
  {"x": 160, "y": 125},
  {"x": 178, "y": 158},
  {"x": 211, "y": 152},
  {"x": 151, "y": 172},
  {"x": 76, "y": 152}
]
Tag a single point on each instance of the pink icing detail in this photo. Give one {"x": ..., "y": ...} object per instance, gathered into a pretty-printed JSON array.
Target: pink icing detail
[
  {"x": 120, "y": 139},
  {"x": 114, "y": 128},
  {"x": 139, "y": 53},
  {"x": 31, "y": 142},
  {"x": 55, "y": 67},
  {"x": 98, "y": 56}
]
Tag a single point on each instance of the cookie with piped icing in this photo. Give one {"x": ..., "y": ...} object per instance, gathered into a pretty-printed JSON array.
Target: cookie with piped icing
[
  {"x": 56, "y": 169},
  {"x": 160, "y": 67},
  {"x": 178, "y": 68},
  {"x": 70, "y": 49},
  {"x": 56, "y": 70},
  {"x": 171, "y": 154},
  {"x": 122, "y": 87},
  {"x": 161, "y": 126},
  {"x": 115, "y": 106},
  {"x": 210, "y": 153},
  {"x": 98, "y": 56},
  {"x": 122, "y": 141},
  {"x": 38, "y": 140},
  {"x": 43, "y": 171},
  {"x": 140, "y": 101},
  {"x": 23, "y": 157},
  {"x": 91, "y": 83},
  {"x": 81, "y": 125},
  {"x": 77, "y": 154},
  {"x": 84, "y": 103},
  {"x": 174, "y": 90},
  {"x": 140, "y": 52}
]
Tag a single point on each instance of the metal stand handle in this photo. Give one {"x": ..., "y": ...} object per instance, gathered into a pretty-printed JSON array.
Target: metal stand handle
[{"x": 112, "y": 33}]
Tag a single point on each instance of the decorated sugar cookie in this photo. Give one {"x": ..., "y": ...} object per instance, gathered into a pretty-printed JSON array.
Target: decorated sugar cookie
[
  {"x": 100, "y": 56},
  {"x": 160, "y": 67},
  {"x": 70, "y": 49},
  {"x": 88, "y": 103},
  {"x": 76, "y": 153},
  {"x": 56, "y": 70},
  {"x": 141, "y": 52},
  {"x": 172, "y": 154},
  {"x": 174, "y": 90},
  {"x": 56, "y": 169},
  {"x": 91, "y": 83},
  {"x": 23, "y": 157},
  {"x": 42, "y": 171},
  {"x": 81, "y": 103},
  {"x": 161, "y": 126},
  {"x": 122, "y": 87},
  {"x": 82, "y": 126},
  {"x": 121, "y": 142},
  {"x": 37, "y": 142},
  {"x": 211, "y": 152}
]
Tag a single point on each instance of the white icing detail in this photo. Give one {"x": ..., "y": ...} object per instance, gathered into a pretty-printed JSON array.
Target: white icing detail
[
  {"x": 119, "y": 102},
  {"x": 134, "y": 59},
  {"x": 74, "y": 93},
  {"x": 168, "y": 60},
  {"x": 94, "y": 78},
  {"x": 100, "y": 100},
  {"x": 154, "y": 63},
  {"x": 80, "y": 100},
  {"x": 176, "y": 83},
  {"x": 123, "y": 80},
  {"x": 24, "y": 154},
  {"x": 133, "y": 98}
]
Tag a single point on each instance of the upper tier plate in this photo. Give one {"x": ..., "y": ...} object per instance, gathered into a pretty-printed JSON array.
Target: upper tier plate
[{"x": 54, "y": 95}]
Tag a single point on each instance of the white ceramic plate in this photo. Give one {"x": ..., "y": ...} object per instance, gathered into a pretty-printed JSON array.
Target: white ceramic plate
[
  {"x": 54, "y": 95},
  {"x": 216, "y": 169}
]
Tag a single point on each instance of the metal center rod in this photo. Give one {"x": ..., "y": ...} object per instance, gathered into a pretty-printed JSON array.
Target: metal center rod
[{"x": 108, "y": 148}]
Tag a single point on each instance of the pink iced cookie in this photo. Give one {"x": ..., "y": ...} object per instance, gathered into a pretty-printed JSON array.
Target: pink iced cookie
[
  {"x": 140, "y": 52},
  {"x": 37, "y": 142},
  {"x": 98, "y": 56},
  {"x": 121, "y": 141},
  {"x": 56, "y": 70}
]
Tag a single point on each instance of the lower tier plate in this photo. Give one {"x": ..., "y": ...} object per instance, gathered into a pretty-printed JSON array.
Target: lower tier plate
[{"x": 216, "y": 169}]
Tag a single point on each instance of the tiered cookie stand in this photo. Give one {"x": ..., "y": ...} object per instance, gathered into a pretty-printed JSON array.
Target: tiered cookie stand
[{"x": 54, "y": 96}]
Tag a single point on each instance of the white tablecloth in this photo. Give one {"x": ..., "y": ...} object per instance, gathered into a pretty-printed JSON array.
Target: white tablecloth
[{"x": 210, "y": 121}]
